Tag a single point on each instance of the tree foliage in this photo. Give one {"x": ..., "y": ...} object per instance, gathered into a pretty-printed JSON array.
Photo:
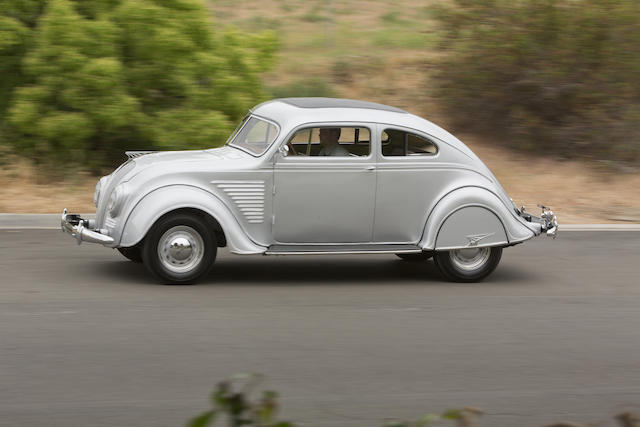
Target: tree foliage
[
  {"x": 95, "y": 77},
  {"x": 560, "y": 76}
]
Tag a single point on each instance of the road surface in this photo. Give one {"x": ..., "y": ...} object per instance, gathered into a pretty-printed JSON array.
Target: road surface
[{"x": 89, "y": 339}]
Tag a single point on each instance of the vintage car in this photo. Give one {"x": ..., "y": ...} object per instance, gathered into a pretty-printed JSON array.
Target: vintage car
[{"x": 311, "y": 176}]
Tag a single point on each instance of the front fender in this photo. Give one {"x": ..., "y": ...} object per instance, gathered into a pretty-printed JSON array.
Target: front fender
[
  {"x": 472, "y": 215},
  {"x": 166, "y": 199}
]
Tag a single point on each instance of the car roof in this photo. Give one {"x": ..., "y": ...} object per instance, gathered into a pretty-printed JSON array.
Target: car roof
[
  {"x": 337, "y": 103},
  {"x": 292, "y": 112}
]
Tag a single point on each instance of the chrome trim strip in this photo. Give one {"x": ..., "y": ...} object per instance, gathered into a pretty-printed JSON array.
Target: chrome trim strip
[
  {"x": 400, "y": 251},
  {"x": 491, "y": 245}
]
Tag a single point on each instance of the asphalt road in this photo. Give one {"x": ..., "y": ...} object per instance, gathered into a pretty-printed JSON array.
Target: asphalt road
[{"x": 88, "y": 339}]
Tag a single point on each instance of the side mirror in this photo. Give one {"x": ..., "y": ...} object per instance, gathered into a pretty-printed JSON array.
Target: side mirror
[{"x": 284, "y": 150}]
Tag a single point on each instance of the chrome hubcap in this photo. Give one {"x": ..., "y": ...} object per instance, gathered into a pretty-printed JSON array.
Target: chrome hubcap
[
  {"x": 180, "y": 249},
  {"x": 469, "y": 259}
]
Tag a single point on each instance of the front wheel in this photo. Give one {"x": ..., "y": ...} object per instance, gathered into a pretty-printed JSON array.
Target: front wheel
[
  {"x": 468, "y": 264},
  {"x": 179, "y": 249}
]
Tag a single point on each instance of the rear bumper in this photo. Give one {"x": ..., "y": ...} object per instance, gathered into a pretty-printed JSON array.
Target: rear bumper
[
  {"x": 547, "y": 220},
  {"x": 82, "y": 229}
]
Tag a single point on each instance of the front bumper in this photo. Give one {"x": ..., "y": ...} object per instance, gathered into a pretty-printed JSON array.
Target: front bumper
[
  {"x": 547, "y": 220},
  {"x": 83, "y": 229}
]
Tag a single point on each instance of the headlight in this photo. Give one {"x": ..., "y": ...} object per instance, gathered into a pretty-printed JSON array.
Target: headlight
[
  {"x": 116, "y": 201},
  {"x": 96, "y": 192}
]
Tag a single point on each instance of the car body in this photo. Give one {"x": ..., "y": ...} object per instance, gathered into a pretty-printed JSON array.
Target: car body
[{"x": 391, "y": 182}]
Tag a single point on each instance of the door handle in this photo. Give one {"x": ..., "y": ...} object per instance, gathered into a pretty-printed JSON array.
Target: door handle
[{"x": 370, "y": 168}]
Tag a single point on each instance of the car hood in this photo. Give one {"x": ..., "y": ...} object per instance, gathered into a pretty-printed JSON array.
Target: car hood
[
  {"x": 216, "y": 154},
  {"x": 216, "y": 158},
  {"x": 175, "y": 161}
]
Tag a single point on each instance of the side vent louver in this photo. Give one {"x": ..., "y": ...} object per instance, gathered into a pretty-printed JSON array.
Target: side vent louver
[{"x": 248, "y": 196}]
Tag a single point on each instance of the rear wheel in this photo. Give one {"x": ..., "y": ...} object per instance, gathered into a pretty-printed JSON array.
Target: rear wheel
[
  {"x": 179, "y": 249},
  {"x": 415, "y": 257},
  {"x": 132, "y": 254},
  {"x": 468, "y": 264}
]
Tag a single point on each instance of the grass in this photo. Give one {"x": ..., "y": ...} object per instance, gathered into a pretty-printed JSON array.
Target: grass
[
  {"x": 318, "y": 33},
  {"x": 611, "y": 198},
  {"x": 25, "y": 190},
  {"x": 382, "y": 51},
  {"x": 378, "y": 51}
]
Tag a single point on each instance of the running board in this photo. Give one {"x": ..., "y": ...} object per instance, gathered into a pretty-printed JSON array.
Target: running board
[{"x": 341, "y": 249}]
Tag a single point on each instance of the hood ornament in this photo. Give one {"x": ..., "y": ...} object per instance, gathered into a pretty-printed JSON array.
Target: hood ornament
[{"x": 134, "y": 154}]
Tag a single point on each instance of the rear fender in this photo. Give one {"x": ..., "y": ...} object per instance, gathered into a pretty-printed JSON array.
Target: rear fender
[
  {"x": 166, "y": 199},
  {"x": 472, "y": 216}
]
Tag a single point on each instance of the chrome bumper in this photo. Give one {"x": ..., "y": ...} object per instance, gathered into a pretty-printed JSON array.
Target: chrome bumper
[
  {"x": 82, "y": 229},
  {"x": 547, "y": 220}
]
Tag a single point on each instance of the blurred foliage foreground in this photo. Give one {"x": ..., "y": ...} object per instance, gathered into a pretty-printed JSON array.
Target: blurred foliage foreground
[
  {"x": 556, "y": 76},
  {"x": 80, "y": 81},
  {"x": 232, "y": 404}
]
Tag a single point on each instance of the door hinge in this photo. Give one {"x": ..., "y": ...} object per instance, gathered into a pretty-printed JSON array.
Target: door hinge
[{"x": 273, "y": 220}]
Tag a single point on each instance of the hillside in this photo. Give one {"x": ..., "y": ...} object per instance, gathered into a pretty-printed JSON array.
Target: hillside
[{"x": 379, "y": 51}]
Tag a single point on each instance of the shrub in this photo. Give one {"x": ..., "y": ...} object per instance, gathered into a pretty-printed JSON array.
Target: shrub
[
  {"x": 98, "y": 77},
  {"x": 556, "y": 76},
  {"x": 235, "y": 405},
  {"x": 232, "y": 401}
]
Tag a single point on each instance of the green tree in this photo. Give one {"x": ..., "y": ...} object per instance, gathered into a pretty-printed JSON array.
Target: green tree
[
  {"x": 107, "y": 75},
  {"x": 78, "y": 102},
  {"x": 17, "y": 20}
]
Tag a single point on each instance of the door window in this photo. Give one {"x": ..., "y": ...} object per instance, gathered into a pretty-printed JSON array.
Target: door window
[{"x": 325, "y": 141}]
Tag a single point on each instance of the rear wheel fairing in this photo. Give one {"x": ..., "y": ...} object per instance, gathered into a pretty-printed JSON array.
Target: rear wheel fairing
[{"x": 470, "y": 196}]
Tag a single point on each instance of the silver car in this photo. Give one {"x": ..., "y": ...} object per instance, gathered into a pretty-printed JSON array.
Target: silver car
[{"x": 311, "y": 176}]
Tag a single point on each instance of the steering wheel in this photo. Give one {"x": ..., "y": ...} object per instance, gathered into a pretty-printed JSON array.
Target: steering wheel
[{"x": 292, "y": 148}]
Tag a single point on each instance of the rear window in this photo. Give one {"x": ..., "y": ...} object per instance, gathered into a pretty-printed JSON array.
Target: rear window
[{"x": 397, "y": 142}]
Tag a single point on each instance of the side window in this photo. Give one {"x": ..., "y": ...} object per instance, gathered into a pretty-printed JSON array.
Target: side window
[
  {"x": 347, "y": 141},
  {"x": 400, "y": 143}
]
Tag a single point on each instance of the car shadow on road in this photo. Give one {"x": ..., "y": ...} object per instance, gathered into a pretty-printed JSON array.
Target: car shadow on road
[
  {"x": 325, "y": 270},
  {"x": 294, "y": 271}
]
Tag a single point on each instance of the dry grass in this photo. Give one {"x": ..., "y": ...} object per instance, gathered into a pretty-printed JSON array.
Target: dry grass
[
  {"x": 23, "y": 190},
  {"x": 377, "y": 51},
  {"x": 576, "y": 193}
]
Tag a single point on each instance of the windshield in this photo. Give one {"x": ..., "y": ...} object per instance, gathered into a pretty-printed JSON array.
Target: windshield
[{"x": 255, "y": 136}]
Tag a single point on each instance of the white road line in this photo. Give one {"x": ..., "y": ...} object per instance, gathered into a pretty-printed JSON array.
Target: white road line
[
  {"x": 599, "y": 227},
  {"x": 26, "y": 227},
  {"x": 42, "y": 313}
]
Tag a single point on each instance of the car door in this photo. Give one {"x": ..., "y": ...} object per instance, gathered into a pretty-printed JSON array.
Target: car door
[
  {"x": 410, "y": 176},
  {"x": 325, "y": 198}
]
